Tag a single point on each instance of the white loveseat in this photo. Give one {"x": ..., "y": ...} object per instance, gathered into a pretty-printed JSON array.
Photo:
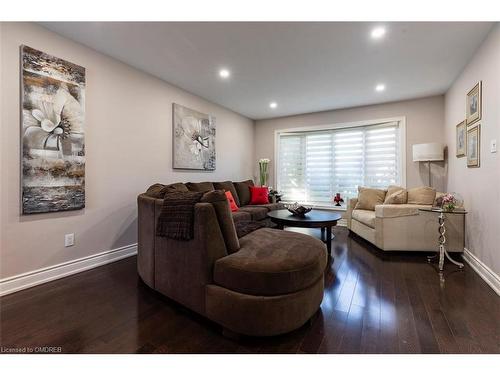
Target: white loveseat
[{"x": 402, "y": 227}]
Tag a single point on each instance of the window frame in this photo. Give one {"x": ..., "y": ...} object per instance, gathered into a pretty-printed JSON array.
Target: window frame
[{"x": 401, "y": 120}]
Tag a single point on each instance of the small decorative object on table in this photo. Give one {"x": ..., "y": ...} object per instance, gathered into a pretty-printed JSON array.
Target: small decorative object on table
[
  {"x": 298, "y": 209},
  {"x": 338, "y": 199},
  {"x": 263, "y": 167},
  {"x": 274, "y": 195}
]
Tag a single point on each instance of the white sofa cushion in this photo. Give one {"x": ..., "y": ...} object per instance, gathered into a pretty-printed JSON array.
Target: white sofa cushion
[{"x": 366, "y": 217}]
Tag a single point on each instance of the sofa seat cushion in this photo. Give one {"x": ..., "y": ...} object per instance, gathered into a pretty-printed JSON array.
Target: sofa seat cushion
[
  {"x": 366, "y": 217},
  {"x": 257, "y": 212},
  {"x": 272, "y": 262},
  {"x": 241, "y": 216}
]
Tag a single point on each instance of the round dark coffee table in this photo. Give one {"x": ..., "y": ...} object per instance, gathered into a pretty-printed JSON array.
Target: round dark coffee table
[{"x": 315, "y": 219}]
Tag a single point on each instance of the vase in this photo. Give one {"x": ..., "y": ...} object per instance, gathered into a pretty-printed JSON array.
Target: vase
[{"x": 263, "y": 174}]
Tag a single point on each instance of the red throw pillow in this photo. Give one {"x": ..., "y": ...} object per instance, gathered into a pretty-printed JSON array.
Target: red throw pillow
[
  {"x": 259, "y": 195},
  {"x": 232, "y": 203}
]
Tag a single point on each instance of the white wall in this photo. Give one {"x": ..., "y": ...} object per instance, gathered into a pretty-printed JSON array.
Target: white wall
[
  {"x": 424, "y": 123},
  {"x": 480, "y": 187},
  {"x": 128, "y": 144}
]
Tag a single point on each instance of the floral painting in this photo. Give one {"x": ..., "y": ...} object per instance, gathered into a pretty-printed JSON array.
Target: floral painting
[
  {"x": 193, "y": 139},
  {"x": 53, "y": 147}
]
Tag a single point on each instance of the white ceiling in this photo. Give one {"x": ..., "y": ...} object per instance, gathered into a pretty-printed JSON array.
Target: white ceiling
[{"x": 304, "y": 67}]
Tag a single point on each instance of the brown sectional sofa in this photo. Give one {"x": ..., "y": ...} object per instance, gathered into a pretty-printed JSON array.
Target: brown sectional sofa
[{"x": 271, "y": 284}]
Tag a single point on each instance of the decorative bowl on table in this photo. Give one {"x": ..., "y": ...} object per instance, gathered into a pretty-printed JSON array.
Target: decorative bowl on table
[{"x": 298, "y": 210}]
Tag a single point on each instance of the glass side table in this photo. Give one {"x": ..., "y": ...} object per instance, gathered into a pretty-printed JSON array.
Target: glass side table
[{"x": 442, "y": 252}]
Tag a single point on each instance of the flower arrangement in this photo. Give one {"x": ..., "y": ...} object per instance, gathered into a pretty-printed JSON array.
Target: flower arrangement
[
  {"x": 449, "y": 202},
  {"x": 263, "y": 170}
]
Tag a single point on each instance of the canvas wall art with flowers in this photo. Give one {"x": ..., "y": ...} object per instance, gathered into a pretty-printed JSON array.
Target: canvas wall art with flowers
[
  {"x": 53, "y": 133},
  {"x": 193, "y": 139}
]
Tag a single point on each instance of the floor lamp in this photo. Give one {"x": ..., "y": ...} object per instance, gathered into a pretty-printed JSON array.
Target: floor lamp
[{"x": 428, "y": 152}]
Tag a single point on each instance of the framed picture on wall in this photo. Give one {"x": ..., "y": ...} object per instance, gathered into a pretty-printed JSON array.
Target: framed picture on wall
[
  {"x": 193, "y": 139},
  {"x": 473, "y": 110},
  {"x": 473, "y": 146},
  {"x": 461, "y": 139}
]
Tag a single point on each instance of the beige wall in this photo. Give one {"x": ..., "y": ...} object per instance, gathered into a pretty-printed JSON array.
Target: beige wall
[
  {"x": 480, "y": 187},
  {"x": 424, "y": 123},
  {"x": 128, "y": 144}
]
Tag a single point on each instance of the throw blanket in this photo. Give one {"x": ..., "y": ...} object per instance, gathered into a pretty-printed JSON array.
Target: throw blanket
[
  {"x": 176, "y": 220},
  {"x": 245, "y": 227}
]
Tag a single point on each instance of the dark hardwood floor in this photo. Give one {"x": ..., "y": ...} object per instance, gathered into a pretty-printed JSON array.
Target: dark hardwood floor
[{"x": 374, "y": 303}]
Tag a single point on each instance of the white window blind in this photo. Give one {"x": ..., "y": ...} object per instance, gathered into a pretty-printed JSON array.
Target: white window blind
[{"x": 314, "y": 165}]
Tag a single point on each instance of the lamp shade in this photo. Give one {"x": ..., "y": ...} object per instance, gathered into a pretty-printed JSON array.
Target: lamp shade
[{"x": 428, "y": 152}]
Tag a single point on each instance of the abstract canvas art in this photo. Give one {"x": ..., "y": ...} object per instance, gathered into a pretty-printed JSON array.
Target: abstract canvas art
[
  {"x": 193, "y": 139},
  {"x": 53, "y": 142}
]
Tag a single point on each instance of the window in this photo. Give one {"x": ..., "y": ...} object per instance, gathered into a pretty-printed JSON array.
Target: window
[{"x": 314, "y": 165}]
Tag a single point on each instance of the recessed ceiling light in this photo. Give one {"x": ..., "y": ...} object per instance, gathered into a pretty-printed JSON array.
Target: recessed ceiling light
[
  {"x": 378, "y": 32},
  {"x": 380, "y": 87},
  {"x": 273, "y": 105},
  {"x": 224, "y": 73}
]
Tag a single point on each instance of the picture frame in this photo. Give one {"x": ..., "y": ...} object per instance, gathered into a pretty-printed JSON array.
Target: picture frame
[
  {"x": 461, "y": 140},
  {"x": 474, "y": 146},
  {"x": 193, "y": 139},
  {"x": 473, "y": 104}
]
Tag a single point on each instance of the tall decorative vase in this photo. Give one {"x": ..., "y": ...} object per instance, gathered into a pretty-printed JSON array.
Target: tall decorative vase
[{"x": 263, "y": 171}]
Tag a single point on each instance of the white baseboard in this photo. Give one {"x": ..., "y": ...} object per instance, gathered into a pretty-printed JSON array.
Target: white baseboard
[
  {"x": 490, "y": 277},
  {"x": 44, "y": 275}
]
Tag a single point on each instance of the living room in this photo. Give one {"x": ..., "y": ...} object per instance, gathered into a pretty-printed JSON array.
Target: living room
[{"x": 244, "y": 188}]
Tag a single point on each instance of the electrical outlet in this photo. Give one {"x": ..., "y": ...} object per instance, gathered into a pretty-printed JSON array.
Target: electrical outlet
[
  {"x": 493, "y": 145},
  {"x": 69, "y": 239}
]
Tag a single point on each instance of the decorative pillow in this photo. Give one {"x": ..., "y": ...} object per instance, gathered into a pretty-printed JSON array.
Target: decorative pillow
[
  {"x": 396, "y": 195},
  {"x": 228, "y": 186},
  {"x": 232, "y": 204},
  {"x": 368, "y": 198},
  {"x": 422, "y": 195},
  {"x": 259, "y": 195},
  {"x": 243, "y": 191}
]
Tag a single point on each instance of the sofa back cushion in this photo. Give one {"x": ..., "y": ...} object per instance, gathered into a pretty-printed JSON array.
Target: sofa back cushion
[
  {"x": 396, "y": 195},
  {"x": 243, "y": 191},
  {"x": 200, "y": 186},
  {"x": 221, "y": 205},
  {"x": 368, "y": 198},
  {"x": 421, "y": 195},
  {"x": 227, "y": 186}
]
